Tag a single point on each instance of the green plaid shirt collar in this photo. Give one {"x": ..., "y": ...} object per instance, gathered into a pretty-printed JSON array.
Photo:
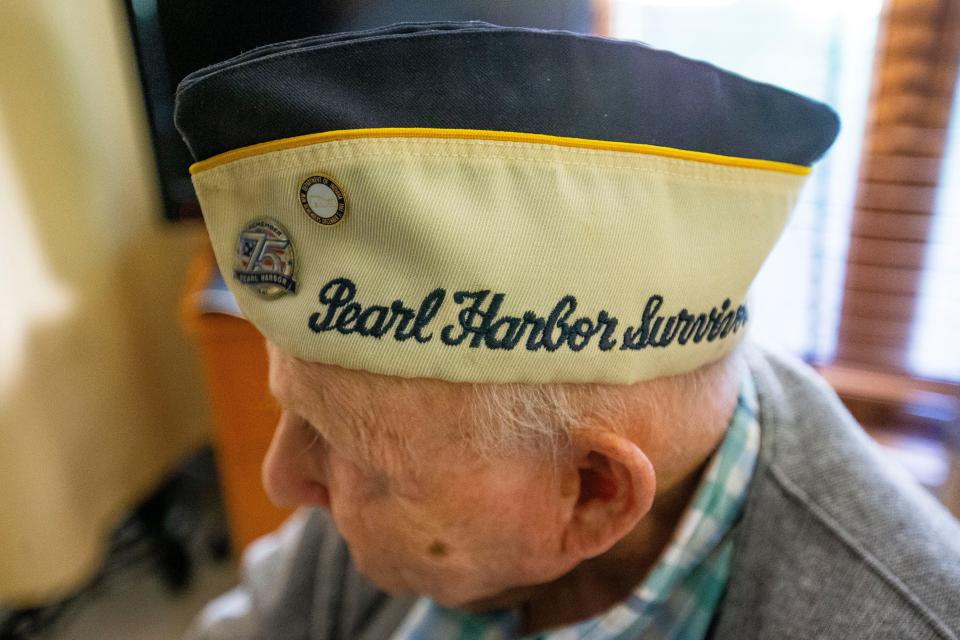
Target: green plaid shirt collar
[{"x": 678, "y": 598}]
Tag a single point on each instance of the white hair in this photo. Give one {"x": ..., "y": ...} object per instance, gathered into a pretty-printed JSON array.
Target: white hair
[{"x": 504, "y": 418}]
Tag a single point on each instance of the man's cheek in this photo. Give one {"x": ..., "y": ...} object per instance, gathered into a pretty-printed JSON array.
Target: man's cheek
[
  {"x": 356, "y": 520},
  {"x": 371, "y": 530},
  {"x": 372, "y": 552}
]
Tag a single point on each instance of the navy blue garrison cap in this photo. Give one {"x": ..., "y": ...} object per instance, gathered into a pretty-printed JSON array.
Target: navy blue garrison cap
[
  {"x": 475, "y": 75},
  {"x": 476, "y": 203}
]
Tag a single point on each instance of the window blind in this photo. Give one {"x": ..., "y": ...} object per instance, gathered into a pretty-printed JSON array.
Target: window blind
[{"x": 903, "y": 187}]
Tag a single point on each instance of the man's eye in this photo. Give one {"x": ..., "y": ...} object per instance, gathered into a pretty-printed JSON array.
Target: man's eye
[
  {"x": 317, "y": 441},
  {"x": 309, "y": 432}
]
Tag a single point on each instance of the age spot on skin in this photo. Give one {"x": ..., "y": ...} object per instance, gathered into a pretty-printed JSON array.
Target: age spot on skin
[{"x": 438, "y": 549}]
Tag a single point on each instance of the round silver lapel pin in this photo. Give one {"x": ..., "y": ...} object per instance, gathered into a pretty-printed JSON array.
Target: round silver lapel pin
[
  {"x": 323, "y": 200},
  {"x": 265, "y": 260}
]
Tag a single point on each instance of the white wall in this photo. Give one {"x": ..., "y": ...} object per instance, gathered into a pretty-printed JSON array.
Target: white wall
[{"x": 99, "y": 388}]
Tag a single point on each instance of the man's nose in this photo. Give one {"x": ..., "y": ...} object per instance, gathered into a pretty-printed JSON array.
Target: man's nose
[{"x": 293, "y": 470}]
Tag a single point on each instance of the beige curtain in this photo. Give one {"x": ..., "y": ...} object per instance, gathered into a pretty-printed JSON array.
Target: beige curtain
[{"x": 99, "y": 390}]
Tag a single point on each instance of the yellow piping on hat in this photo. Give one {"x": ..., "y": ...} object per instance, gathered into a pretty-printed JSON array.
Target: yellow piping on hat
[{"x": 500, "y": 136}]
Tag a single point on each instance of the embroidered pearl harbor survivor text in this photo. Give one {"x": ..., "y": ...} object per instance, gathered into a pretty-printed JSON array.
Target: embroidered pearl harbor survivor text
[{"x": 480, "y": 323}]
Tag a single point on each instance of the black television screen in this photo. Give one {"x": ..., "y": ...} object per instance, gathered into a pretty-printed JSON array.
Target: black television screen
[{"x": 174, "y": 37}]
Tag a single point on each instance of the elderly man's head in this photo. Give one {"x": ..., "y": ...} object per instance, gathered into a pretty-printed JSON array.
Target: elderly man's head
[{"x": 473, "y": 494}]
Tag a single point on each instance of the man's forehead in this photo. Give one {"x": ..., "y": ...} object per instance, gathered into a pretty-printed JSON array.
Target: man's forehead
[
  {"x": 282, "y": 373},
  {"x": 295, "y": 383},
  {"x": 378, "y": 420}
]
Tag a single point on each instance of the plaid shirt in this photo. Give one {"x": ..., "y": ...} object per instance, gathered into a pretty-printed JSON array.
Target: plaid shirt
[{"x": 678, "y": 598}]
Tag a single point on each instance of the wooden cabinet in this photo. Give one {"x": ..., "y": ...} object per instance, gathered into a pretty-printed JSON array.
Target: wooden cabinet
[{"x": 234, "y": 362}]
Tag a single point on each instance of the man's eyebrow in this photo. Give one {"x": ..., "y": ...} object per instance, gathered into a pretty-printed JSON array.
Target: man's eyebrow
[{"x": 281, "y": 401}]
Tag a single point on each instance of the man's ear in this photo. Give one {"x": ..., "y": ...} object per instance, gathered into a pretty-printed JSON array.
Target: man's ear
[{"x": 610, "y": 484}]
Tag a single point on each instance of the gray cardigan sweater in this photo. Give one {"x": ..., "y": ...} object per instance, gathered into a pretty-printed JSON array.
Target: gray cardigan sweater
[{"x": 834, "y": 542}]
